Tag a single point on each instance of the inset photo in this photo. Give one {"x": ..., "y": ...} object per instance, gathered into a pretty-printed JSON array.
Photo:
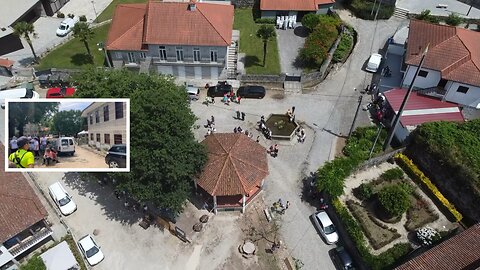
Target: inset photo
[{"x": 89, "y": 135}]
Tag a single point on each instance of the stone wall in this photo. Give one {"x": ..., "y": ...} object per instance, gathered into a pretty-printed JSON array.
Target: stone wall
[
  {"x": 244, "y": 3},
  {"x": 268, "y": 81}
]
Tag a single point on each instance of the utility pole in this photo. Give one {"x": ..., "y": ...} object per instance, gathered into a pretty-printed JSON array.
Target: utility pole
[
  {"x": 376, "y": 139},
  {"x": 404, "y": 102},
  {"x": 469, "y": 9},
  {"x": 356, "y": 114},
  {"x": 378, "y": 9},
  {"x": 373, "y": 8}
]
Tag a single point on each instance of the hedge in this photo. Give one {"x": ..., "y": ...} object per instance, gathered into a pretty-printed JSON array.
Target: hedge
[
  {"x": 408, "y": 165},
  {"x": 363, "y": 9},
  {"x": 344, "y": 48},
  {"x": 265, "y": 21},
  {"x": 35, "y": 263}
]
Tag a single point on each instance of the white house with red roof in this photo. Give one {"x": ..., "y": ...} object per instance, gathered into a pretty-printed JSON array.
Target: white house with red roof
[
  {"x": 187, "y": 40},
  {"x": 272, "y": 8},
  {"x": 451, "y": 70}
]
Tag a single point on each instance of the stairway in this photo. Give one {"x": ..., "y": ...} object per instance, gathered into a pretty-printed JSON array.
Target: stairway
[
  {"x": 401, "y": 13},
  {"x": 232, "y": 58},
  {"x": 145, "y": 65}
]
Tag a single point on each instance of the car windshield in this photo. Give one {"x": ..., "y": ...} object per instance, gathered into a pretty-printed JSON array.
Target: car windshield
[
  {"x": 64, "y": 201},
  {"x": 94, "y": 250},
  {"x": 329, "y": 229},
  {"x": 63, "y": 27}
]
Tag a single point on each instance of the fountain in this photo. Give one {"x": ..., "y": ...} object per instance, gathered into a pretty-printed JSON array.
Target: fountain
[{"x": 281, "y": 127}]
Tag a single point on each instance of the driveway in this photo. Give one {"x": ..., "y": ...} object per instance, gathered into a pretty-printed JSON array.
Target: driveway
[
  {"x": 453, "y": 6},
  {"x": 289, "y": 42}
]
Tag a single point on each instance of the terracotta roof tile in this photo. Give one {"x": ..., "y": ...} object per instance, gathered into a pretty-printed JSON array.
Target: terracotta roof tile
[
  {"x": 299, "y": 5},
  {"x": 19, "y": 205},
  {"x": 235, "y": 165},
  {"x": 450, "y": 50},
  {"x": 6, "y": 63},
  {"x": 460, "y": 252},
  {"x": 126, "y": 30}
]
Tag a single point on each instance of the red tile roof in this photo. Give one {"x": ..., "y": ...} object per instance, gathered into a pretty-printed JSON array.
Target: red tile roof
[
  {"x": 236, "y": 164},
  {"x": 170, "y": 23},
  {"x": 460, "y": 252},
  {"x": 299, "y": 5},
  {"x": 455, "y": 52},
  {"x": 6, "y": 63},
  {"x": 19, "y": 205},
  {"x": 422, "y": 109}
]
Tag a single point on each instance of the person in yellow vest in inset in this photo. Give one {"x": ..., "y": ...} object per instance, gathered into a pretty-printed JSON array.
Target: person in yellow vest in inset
[{"x": 22, "y": 158}]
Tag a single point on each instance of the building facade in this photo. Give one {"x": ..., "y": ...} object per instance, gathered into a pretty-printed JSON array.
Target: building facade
[
  {"x": 270, "y": 9},
  {"x": 186, "y": 40},
  {"x": 107, "y": 124}
]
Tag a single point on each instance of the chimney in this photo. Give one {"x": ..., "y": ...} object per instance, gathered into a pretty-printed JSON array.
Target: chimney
[{"x": 191, "y": 5}]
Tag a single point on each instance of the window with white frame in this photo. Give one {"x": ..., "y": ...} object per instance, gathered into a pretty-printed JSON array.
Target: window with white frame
[
  {"x": 179, "y": 51},
  {"x": 213, "y": 56},
  {"x": 196, "y": 54},
  {"x": 131, "y": 57},
  {"x": 143, "y": 55},
  {"x": 163, "y": 53}
]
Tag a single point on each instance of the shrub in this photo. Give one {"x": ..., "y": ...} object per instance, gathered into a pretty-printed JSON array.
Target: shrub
[
  {"x": 392, "y": 174},
  {"x": 317, "y": 44},
  {"x": 363, "y": 9},
  {"x": 60, "y": 15},
  {"x": 71, "y": 16},
  {"x": 344, "y": 48},
  {"x": 425, "y": 16},
  {"x": 265, "y": 21},
  {"x": 35, "y": 263},
  {"x": 409, "y": 166},
  {"x": 453, "y": 20},
  {"x": 83, "y": 18},
  {"x": 366, "y": 191},
  {"x": 310, "y": 21},
  {"x": 427, "y": 236},
  {"x": 394, "y": 199}
]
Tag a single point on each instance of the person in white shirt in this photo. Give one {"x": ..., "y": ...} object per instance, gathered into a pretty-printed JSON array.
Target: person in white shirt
[{"x": 13, "y": 144}]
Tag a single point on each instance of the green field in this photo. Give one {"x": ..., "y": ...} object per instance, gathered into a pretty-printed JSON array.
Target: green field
[
  {"x": 73, "y": 54},
  {"x": 252, "y": 46},
  {"x": 107, "y": 14}
]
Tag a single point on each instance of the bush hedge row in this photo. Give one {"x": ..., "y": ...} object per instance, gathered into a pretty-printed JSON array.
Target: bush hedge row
[
  {"x": 344, "y": 48},
  {"x": 363, "y": 9}
]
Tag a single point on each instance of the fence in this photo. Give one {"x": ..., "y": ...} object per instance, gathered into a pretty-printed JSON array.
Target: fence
[{"x": 269, "y": 81}]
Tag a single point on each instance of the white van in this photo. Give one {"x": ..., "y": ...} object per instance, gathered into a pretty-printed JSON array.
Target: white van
[
  {"x": 62, "y": 199},
  {"x": 63, "y": 145},
  {"x": 17, "y": 93}
]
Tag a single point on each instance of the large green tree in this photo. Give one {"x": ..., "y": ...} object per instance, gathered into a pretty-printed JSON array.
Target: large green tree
[
  {"x": 67, "y": 122},
  {"x": 21, "y": 113},
  {"x": 164, "y": 155},
  {"x": 266, "y": 32},
  {"x": 25, "y": 30},
  {"x": 83, "y": 32}
]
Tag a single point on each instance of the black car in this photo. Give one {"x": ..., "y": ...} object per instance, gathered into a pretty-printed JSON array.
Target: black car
[
  {"x": 341, "y": 258},
  {"x": 117, "y": 156},
  {"x": 219, "y": 90},
  {"x": 251, "y": 91}
]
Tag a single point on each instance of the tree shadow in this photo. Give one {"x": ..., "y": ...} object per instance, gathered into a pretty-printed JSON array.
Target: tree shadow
[
  {"x": 298, "y": 62},
  {"x": 256, "y": 13},
  {"x": 252, "y": 60},
  {"x": 301, "y": 31},
  {"x": 28, "y": 61},
  {"x": 80, "y": 59},
  {"x": 310, "y": 193}
]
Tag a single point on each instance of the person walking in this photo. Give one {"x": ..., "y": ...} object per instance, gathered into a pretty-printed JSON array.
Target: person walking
[
  {"x": 258, "y": 139},
  {"x": 287, "y": 205},
  {"x": 36, "y": 147},
  {"x": 13, "y": 145},
  {"x": 22, "y": 158},
  {"x": 293, "y": 109},
  {"x": 243, "y": 116},
  {"x": 212, "y": 120}
]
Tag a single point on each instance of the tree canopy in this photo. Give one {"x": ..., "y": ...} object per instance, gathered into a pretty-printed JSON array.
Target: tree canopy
[
  {"x": 164, "y": 153},
  {"x": 21, "y": 113},
  {"x": 67, "y": 122}
]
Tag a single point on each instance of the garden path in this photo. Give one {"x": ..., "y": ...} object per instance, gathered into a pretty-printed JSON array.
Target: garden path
[{"x": 365, "y": 176}]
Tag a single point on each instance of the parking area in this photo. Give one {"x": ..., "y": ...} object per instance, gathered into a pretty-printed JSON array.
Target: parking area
[{"x": 289, "y": 42}]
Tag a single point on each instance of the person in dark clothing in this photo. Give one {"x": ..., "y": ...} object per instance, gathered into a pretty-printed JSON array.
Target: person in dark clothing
[{"x": 243, "y": 116}]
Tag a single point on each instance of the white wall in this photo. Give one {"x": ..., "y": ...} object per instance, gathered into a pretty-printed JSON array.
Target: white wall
[
  {"x": 471, "y": 98},
  {"x": 5, "y": 256},
  {"x": 432, "y": 79}
]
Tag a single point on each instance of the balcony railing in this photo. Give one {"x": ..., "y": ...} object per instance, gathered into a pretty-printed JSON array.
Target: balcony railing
[{"x": 30, "y": 241}]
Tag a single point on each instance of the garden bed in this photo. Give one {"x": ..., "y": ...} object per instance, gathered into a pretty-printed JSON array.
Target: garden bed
[{"x": 419, "y": 214}]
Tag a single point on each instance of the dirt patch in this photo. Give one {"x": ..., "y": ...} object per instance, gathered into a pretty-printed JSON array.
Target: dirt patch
[
  {"x": 341, "y": 142},
  {"x": 419, "y": 214}
]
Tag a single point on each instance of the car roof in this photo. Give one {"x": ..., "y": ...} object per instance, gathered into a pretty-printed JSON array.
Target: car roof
[
  {"x": 86, "y": 242},
  {"x": 56, "y": 188},
  {"x": 67, "y": 20},
  {"x": 191, "y": 89},
  {"x": 344, "y": 256},
  {"x": 324, "y": 218},
  {"x": 376, "y": 57},
  {"x": 13, "y": 93}
]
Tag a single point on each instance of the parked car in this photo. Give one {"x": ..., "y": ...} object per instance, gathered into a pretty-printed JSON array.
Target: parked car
[
  {"x": 251, "y": 91},
  {"x": 17, "y": 93},
  {"x": 62, "y": 199},
  {"x": 60, "y": 92},
  {"x": 374, "y": 62},
  {"x": 90, "y": 250},
  {"x": 341, "y": 259},
  {"x": 117, "y": 156},
  {"x": 219, "y": 90},
  {"x": 193, "y": 92},
  {"x": 325, "y": 225},
  {"x": 66, "y": 26},
  {"x": 63, "y": 145}
]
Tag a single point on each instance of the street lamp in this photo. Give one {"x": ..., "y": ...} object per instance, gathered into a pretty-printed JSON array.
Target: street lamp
[
  {"x": 404, "y": 102},
  {"x": 101, "y": 47},
  {"x": 94, "y": 10}
]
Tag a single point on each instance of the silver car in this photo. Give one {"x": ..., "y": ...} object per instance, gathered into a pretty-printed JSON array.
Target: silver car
[{"x": 325, "y": 225}]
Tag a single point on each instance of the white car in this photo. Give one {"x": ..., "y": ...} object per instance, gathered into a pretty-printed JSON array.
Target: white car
[
  {"x": 17, "y": 93},
  {"x": 90, "y": 250},
  {"x": 62, "y": 199},
  {"x": 374, "y": 62},
  {"x": 193, "y": 92},
  {"x": 66, "y": 26},
  {"x": 325, "y": 225}
]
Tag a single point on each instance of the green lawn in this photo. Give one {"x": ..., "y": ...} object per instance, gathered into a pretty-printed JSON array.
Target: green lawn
[
  {"x": 108, "y": 12},
  {"x": 73, "y": 54},
  {"x": 253, "y": 46}
]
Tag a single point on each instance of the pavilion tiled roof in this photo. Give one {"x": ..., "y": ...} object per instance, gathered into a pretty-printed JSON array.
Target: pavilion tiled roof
[
  {"x": 455, "y": 52},
  {"x": 20, "y": 207},
  {"x": 461, "y": 252},
  {"x": 236, "y": 164}
]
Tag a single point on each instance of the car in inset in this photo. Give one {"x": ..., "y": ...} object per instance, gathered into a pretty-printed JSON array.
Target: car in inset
[
  {"x": 251, "y": 91},
  {"x": 62, "y": 199},
  {"x": 325, "y": 225},
  {"x": 341, "y": 259},
  {"x": 117, "y": 156},
  {"x": 60, "y": 92},
  {"x": 90, "y": 250},
  {"x": 66, "y": 26},
  {"x": 374, "y": 62},
  {"x": 17, "y": 93},
  {"x": 193, "y": 92},
  {"x": 63, "y": 145},
  {"x": 219, "y": 90}
]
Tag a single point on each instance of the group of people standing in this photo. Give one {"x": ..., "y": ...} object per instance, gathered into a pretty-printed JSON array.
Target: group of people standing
[
  {"x": 24, "y": 151},
  {"x": 263, "y": 127}
]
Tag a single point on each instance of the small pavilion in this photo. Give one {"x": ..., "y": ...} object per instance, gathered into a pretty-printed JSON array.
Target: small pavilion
[{"x": 235, "y": 170}]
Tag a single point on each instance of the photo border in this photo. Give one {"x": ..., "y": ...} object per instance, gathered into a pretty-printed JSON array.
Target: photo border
[{"x": 7, "y": 139}]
